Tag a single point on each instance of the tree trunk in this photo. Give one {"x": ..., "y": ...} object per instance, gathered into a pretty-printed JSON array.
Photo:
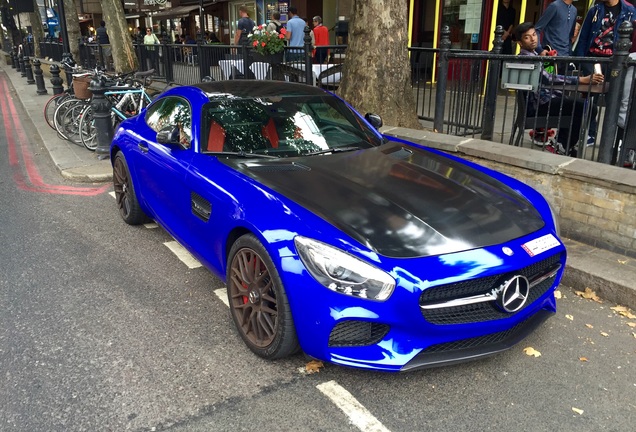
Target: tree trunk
[
  {"x": 9, "y": 23},
  {"x": 72, "y": 28},
  {"x": 376, "y": 71},
  {"x": 38, "y": 32},
  {"x": 124, "y": 57}
]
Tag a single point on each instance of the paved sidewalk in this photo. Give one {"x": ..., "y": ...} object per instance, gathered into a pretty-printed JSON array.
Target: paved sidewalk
[{"x": 611, "y": 276}]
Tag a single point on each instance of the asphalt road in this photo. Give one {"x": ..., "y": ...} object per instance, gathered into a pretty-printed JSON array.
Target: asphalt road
[{"x": 103, "y": 327}]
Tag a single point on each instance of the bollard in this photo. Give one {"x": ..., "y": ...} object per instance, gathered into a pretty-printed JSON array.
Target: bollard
[
  {"x": 607, "y": 152},
  {"x": 490, "y": 104},
  {"x": 309, "y": 72},
  {"x": 442, "y": 78},
  {"x": 102, "y": 116},
  {"x": 39, "y": 77},
  {"x": 21, "y": 63},
  {"x": 14, "y": 58},
  {"x": 56, "y": 80},
  {"x": 28, "y": 70}
]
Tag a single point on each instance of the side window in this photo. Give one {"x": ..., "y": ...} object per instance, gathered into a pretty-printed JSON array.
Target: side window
[{"x": 172, "y": 111}]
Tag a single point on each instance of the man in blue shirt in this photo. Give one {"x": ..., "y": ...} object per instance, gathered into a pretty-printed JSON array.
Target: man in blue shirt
[
  {"x": 557, "y": 27},
  {"x": 295, "y": 35}
]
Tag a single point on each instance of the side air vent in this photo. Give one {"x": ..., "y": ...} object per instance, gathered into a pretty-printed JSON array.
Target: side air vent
[
  {"x": 357, "y": 333},
  {"x": 280, "y": 168},
  {"x": 201, "y": 207}
]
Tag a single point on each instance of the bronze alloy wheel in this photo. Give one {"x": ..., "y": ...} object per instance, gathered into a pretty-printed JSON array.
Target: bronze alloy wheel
[
  {"x": 258, "y": 301},
  {"x": 253, "y": 298},
  {"x": 129, "y": 208}
]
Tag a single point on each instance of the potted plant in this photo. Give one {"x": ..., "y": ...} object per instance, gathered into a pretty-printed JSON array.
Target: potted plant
[{"x": 267, "y": 46}]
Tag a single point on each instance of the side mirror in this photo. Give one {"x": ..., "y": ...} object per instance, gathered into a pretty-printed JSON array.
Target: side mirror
[
  {"x": 374, "y": 119},
  {"x": 168, "y": 135}
]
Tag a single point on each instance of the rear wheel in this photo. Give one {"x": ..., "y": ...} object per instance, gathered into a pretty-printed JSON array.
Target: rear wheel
[
  {"x": 258, "y": 302},
  {"x": 129, "y": 208},
  {"x": 50, "y": 107}
]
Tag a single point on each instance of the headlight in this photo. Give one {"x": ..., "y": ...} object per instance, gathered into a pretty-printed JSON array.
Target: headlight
[
  {"x": 554, "y": 218},
  {"x": 342, "y": 272}
]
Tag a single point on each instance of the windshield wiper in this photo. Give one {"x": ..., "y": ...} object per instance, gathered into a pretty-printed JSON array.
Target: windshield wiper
[
  {"x": 333, "y": 150},
  {"x": 243, "y": 155}
]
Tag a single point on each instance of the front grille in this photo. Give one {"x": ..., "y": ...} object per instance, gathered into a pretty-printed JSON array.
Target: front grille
[
  {"x": 486, "y": 311},
  {"x": 485, "y": 340},
  {"x": 357, "y": 333}
]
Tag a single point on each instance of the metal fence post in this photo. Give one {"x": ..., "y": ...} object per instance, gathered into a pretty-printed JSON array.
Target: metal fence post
[
  {"x": 28, "y": 70},
  {"x": 56, "y": 80},
  {"x": 102, "y": 116},
  {"x": 442, "y": 79},
  {"x": 613, "y": 98},
  {"x": 39, "y": 77},
  {"x": 309, "y": 73},
  {"x": 490, "y": 104}
]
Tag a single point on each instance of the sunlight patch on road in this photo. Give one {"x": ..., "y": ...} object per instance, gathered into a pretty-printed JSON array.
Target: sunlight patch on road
[
  {"x": 358, "y": 415},
  {"x": 183, "y": 254}
]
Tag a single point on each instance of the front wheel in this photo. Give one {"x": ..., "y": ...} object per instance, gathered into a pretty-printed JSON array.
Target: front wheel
[
  {"x": 129, "y": 208},
  {"x": 258, "y": 302}
]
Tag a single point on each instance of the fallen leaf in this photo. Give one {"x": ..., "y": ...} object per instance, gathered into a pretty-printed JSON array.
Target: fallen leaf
[
  {"x": 313, "y": 366},
  {"x": 628, "y": 315},
  {"x": 583, "y": 359},
  {"x": 558, "y": 295},
  {"x": 531, "y": 352},
  {"x": 620, "y": 308},
  {"x": 588, "y": 294},
  {"x": 570, "y": 317},
  {"x": 589, "y": 326},
  {"x": 631, "y": 324},
  {"x": 634, "y": 334},
  {"x": 578, "y": 411},
  {"x": 622, "y": 261},
  {"x": 604, "y": 334}
]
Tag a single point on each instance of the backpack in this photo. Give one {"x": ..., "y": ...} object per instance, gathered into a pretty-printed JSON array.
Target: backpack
[{"x": 279, "y": 26}]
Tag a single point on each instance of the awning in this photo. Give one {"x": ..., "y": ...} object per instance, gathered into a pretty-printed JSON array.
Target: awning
[{"x": 176, "y": 12}]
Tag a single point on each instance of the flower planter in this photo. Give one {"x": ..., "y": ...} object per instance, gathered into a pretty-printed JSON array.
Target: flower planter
[{"x": 267, "y": 58}]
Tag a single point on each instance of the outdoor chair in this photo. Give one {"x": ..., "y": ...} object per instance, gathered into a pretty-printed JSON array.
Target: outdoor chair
[
  {"x": 523, "y": 121},
  {"x": 330, "y": 78}
]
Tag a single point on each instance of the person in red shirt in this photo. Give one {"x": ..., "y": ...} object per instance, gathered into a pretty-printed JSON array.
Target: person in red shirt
[{"x": 321, "y": 35}]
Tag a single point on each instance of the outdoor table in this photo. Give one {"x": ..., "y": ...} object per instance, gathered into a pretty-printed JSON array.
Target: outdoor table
[
  {"x": 259, "y": 69},
  {"x": 317, "y": 69},
  {"x": 584, "y": 90}
]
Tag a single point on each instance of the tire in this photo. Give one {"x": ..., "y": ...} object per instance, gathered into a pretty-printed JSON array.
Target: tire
[
  {"x": 125, "y": 196},
  {"x": 50, "y": 107},
  {"x": 87, "y": 131},
  {"x": 258, "y": 303},
  {"x": 71, "y": 121},
  {"x": 60, "y": 113}
]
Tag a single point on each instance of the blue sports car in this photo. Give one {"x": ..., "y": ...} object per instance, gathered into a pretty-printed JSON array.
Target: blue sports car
[{"x": 360, "y": 249}]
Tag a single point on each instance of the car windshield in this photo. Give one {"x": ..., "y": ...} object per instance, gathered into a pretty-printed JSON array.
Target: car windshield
[{"x": 283, "y": 126}]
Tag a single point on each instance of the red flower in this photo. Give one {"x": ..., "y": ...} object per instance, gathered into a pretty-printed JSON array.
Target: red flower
[
  {"x": 255, "y": 43},
  {"x": 282, "y": 35},
  {"x": 262, "y": 44},
  {"x": 283, "y": 31}
]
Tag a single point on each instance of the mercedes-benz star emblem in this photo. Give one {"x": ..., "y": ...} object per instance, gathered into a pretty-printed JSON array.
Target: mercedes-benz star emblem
[
  {"x": 507, "y": 251},
  {"x": 514, "y": 294}
]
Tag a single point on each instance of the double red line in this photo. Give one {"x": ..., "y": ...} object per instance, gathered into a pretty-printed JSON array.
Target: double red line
[{"x": 17, "y": 146}]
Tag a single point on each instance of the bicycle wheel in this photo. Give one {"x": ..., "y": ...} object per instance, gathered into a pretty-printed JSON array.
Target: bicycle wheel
[
  {"x": 87, "y": 130},
  {"x": 60, "y": 111},
  {"x": 70, "y": 121},
  {"x": 51, "y": 106}
]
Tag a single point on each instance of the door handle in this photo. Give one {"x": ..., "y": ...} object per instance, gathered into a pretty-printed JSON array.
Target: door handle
[{"x": 143, "y": 147}]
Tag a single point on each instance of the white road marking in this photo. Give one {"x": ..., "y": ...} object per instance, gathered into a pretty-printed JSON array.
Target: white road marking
[
  {"x": 358, "y": 415},
  {"x": 222, "y": 294},
  {"x": 112, "y": 194},
  {"x": 183, "y": 254},
  {"x": 151, "y": 225}
]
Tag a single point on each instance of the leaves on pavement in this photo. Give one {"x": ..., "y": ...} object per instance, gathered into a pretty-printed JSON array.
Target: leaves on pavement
[
  {"x": 558, "y": 295},
  {"x": 631, "y": 324},
  {"x": 589, "y": 326},
  {"x": 622, "y": 261},
  {"x": 531, "y": 352},
  {"x": 604, "y": 334},
  {"x": 588, "y": 294},
  {"x": 314, "y": 366},
  {"x": 570, "y": 317},
  {"x": 624, "y": 311},
  {"x": 578, "y": 411},
  {"x": 583, "y": 359}
]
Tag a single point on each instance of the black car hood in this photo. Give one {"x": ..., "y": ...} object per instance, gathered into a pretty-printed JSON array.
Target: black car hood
[{"x": 401, "y": 201}]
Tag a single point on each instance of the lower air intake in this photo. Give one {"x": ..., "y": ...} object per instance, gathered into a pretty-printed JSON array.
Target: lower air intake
[{"x": 357, "y": 333}]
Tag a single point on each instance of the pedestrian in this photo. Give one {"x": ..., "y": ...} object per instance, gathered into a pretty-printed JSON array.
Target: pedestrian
[
  {"x": 152, "y": 59},
  {"x": 547, "y": 102},
  {"x": 506, "y": 17},
  {"x": 295, "y": 35},
  {"x": 321, "y": 34},
  {"x": 104, "y": 41},
  {"x": 626, "y": 133},
  {"x": 597, "y": 38},
  {"x": 275, "y": 24},
  {"x": 556, "y": 28},
  {"x": 244, "y": 27}
]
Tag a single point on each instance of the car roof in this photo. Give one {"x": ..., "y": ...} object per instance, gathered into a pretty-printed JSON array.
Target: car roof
[{"x": 256, "y": 88}]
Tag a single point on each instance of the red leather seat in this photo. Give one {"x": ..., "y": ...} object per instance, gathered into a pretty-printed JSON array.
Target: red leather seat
[
  {"x": 216, "y": 137},
  {"x": 270, "y": 133}
]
